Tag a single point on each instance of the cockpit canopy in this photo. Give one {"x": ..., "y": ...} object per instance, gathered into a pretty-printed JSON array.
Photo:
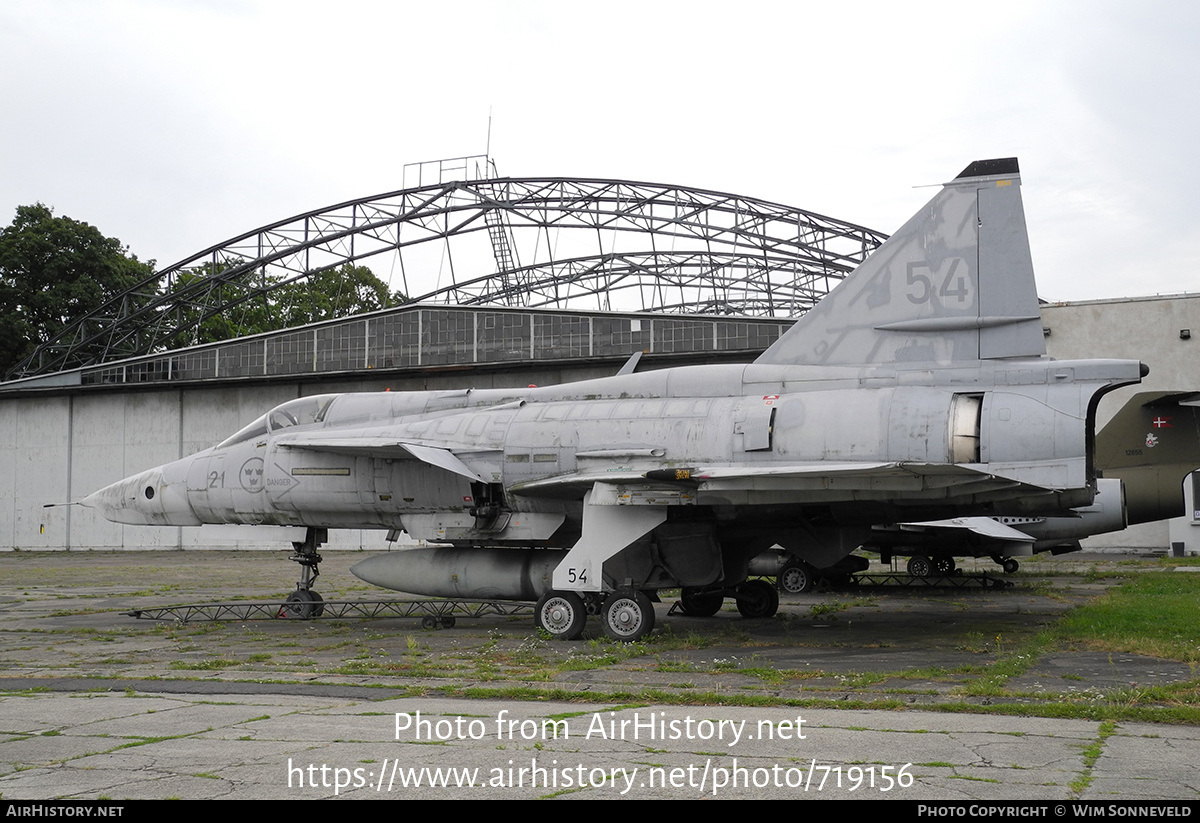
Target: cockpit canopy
[{"x": 302, "y": 411}]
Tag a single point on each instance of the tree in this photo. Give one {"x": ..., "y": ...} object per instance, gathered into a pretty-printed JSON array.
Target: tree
[
  {"x": 54, "y": 270},
  {"x": 251, "y": 316},
  {"x": 332, "y": 293},
  {"x": 324, "y": 295}
]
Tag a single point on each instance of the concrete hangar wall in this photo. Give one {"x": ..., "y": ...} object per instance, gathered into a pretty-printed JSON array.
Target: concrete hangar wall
[
  {"x": 64, "y": 447},
  {"x": 66, "y": 436}
]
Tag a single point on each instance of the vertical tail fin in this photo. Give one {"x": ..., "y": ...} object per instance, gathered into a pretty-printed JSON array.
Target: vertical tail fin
[{"x": 955, "y": 283}]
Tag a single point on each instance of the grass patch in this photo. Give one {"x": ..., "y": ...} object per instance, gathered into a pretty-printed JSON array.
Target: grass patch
[
  {"x": 1153, "y": 614},
  {"x": 1091, "y": 754},
  {"x": 1009, "y": 664},
  {"x": 766, "y": 674}
]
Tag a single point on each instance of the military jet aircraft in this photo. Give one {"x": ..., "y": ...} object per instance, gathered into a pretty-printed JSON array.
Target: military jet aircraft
[{"x": 917, "y": 390}]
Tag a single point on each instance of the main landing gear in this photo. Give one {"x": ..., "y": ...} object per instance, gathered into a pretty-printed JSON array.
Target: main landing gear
[
  {"x": 754, "y": 598},
  {"x": 942, "y": 565},
  {"x": 1009, "y": 564},
  {"x": 561, "y": 615},
  {"x": 627, "y": 613},
  {"x": 304, "y": 603},
  {"x": 797, "y": 577},
  {"x": 757, "y": 598}
]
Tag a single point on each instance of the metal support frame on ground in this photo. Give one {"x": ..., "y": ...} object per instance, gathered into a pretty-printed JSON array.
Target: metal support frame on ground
[
  {"x": 950, "y": 581},
  {"x": 434, "y": 613}
]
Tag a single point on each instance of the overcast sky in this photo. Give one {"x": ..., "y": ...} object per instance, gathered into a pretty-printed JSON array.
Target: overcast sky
[{"x": 175, "y": 125}]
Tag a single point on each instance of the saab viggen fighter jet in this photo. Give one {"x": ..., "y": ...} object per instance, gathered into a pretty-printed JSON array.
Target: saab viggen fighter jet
[{"x": 917, "y": 390}]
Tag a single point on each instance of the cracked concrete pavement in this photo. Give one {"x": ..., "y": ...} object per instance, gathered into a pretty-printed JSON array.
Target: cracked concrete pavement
[{"x": 94, "y": 704}]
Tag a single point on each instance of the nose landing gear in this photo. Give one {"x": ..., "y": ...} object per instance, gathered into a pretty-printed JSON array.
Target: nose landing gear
[{"x": 304, "y": 603}]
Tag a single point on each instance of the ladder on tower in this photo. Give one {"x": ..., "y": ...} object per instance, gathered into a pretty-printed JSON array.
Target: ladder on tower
[{"x": 501, "y": 247}]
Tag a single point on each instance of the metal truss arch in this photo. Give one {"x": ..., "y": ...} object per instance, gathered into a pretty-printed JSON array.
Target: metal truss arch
[{"x": 532, "y": 242}]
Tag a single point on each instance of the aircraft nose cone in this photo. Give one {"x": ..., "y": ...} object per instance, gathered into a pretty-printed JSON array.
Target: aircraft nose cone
[
  {"x": 122, "y": 501},
  {"x": 145, "y": 499}
]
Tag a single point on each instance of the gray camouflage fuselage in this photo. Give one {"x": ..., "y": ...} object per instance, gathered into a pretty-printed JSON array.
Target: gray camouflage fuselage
[{"x": 534, "y": 452}]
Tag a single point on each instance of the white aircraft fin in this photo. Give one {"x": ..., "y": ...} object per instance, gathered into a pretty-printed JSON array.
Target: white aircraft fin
[
  {"x": 631, "y": 364},
  {"x": 955, "y": 283}
]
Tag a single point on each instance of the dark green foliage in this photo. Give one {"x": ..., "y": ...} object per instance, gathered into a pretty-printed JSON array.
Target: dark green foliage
[
  {"x": 55, "y": 270},
  {"x": 52, "y": 271},
  {"x": 270, "y": 304},
  {"x": 339, "y": 292}
]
